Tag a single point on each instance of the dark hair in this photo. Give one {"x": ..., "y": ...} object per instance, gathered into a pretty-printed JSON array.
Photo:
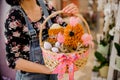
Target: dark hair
[{"x": 13, "y": 2}]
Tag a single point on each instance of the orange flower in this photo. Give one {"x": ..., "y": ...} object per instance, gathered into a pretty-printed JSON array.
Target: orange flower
[
  {"x": 53, "y": 34},
  {"x": 72, "y": 35}
]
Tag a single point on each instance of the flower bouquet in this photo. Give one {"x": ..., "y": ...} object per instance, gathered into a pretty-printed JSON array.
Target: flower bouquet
[{"x": 67, "y": 48}]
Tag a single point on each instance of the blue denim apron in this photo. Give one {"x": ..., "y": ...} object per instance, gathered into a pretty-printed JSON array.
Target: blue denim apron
[{"x": 35, "y": 55}]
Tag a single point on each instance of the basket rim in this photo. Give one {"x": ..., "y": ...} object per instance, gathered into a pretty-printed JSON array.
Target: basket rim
[{"x": 63, "y": 52}]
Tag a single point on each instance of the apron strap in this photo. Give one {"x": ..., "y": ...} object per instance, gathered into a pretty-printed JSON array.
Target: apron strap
[
  {"x": 44, "y": 8},
  {"x": 33, "y": 35},
  {"x": 32, "y": 31}
]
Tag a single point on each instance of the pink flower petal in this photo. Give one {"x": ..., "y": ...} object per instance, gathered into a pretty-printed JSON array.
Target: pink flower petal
[
  {"x": 60, "y": 38},
  {"x": 87, "y": 39},
  {"x": 16, "y": 34}
]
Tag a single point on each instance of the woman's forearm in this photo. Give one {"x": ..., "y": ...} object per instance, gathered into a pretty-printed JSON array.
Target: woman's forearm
[{"x": 29, "y": 66}]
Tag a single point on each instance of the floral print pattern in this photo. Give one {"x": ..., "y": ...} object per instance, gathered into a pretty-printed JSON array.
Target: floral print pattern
[{"x": 17, "y": 34}]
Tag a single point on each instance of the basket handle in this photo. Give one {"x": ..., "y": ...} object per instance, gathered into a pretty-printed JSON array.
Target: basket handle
[{"x": 59, "y": 12}]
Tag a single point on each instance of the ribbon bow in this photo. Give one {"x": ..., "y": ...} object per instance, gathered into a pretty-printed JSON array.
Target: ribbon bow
[{"x": 66, "y": 61}]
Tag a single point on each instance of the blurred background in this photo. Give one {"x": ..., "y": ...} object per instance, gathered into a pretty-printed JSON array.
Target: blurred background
[{"x": 103, "y": 19}]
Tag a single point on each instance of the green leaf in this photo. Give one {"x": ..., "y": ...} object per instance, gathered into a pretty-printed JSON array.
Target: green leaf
[
  {"x": 104, "y": 64},
  {"x": 100, "y": 57},
  {"x": 117, "y": 46},
  {"x": 103, "y": 42},
  {"x": 96, "y": 69}
]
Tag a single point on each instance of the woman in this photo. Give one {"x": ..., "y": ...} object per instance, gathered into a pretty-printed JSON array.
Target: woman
[{"x": 21, "y": 46}]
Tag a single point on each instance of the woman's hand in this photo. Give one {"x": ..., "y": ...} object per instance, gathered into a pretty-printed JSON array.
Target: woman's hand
[{"x": 71, "y": 9}]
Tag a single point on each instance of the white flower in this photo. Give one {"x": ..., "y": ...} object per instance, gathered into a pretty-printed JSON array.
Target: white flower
[
  {"x": 101, "y": 4},
  {"x": 117, "y": 28},
  {"x": 107, "y": 9},
  {"x": 115, "y": 8},
  {"x": 108, "y": 18},
  {"x": 99, "y": 37},
  {"x": 112, "y": 31},
  {"x": 108, "y": 21}
]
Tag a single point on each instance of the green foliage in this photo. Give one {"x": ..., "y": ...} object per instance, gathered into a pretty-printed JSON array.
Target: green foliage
[
  {"x": 108, "y": 38},
  {"x": 103, "y": 42},
  {"x": 96, "y": 68},
  {"x": 117, "y": 46},
  {"x": 100, "y": 57},
  {"x": 103, "y": 61}
]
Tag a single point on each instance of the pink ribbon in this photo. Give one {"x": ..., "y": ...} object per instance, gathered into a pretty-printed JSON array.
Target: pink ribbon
[{"x": 66, "y": 61}]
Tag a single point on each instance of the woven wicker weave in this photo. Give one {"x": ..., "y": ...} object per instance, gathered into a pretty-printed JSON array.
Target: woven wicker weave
[{"x": 52, "y": 62}]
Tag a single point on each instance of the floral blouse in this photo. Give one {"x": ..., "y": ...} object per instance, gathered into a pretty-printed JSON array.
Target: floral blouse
[{"x": 16, "y": 32}]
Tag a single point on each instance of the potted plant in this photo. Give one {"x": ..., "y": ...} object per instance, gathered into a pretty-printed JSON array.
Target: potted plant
[
  {"x": 102, "y": 54},
  {"x": 103, "y": 67},
  {"x": 117, "y": 60},
  {"x": 104, "y": 45}
]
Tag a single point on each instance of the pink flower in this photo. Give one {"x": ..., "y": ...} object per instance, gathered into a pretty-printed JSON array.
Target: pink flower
[
  {"x": 60, "y": 38},
  {"x": 14, "y": 24},
  {"x": 87, "y": 39},
  {"x": 25, "y": 29},
  {"x": 16, "y": 34},
  {"x": 74, "y": 21},
  {"x": 26, "y": 48},
  {"x": 16, "y": 48}
]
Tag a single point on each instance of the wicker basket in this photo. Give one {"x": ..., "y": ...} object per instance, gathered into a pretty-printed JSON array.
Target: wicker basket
[{"x": 50, "y": 57}]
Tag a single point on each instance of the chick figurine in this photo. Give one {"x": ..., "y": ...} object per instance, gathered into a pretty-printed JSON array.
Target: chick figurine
[{"x": 53, "y": 32}]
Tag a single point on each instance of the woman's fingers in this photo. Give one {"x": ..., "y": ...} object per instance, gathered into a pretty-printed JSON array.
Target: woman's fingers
[
  {"x": 71, "y": 9},
  {"x": 68, "y": 7}
]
